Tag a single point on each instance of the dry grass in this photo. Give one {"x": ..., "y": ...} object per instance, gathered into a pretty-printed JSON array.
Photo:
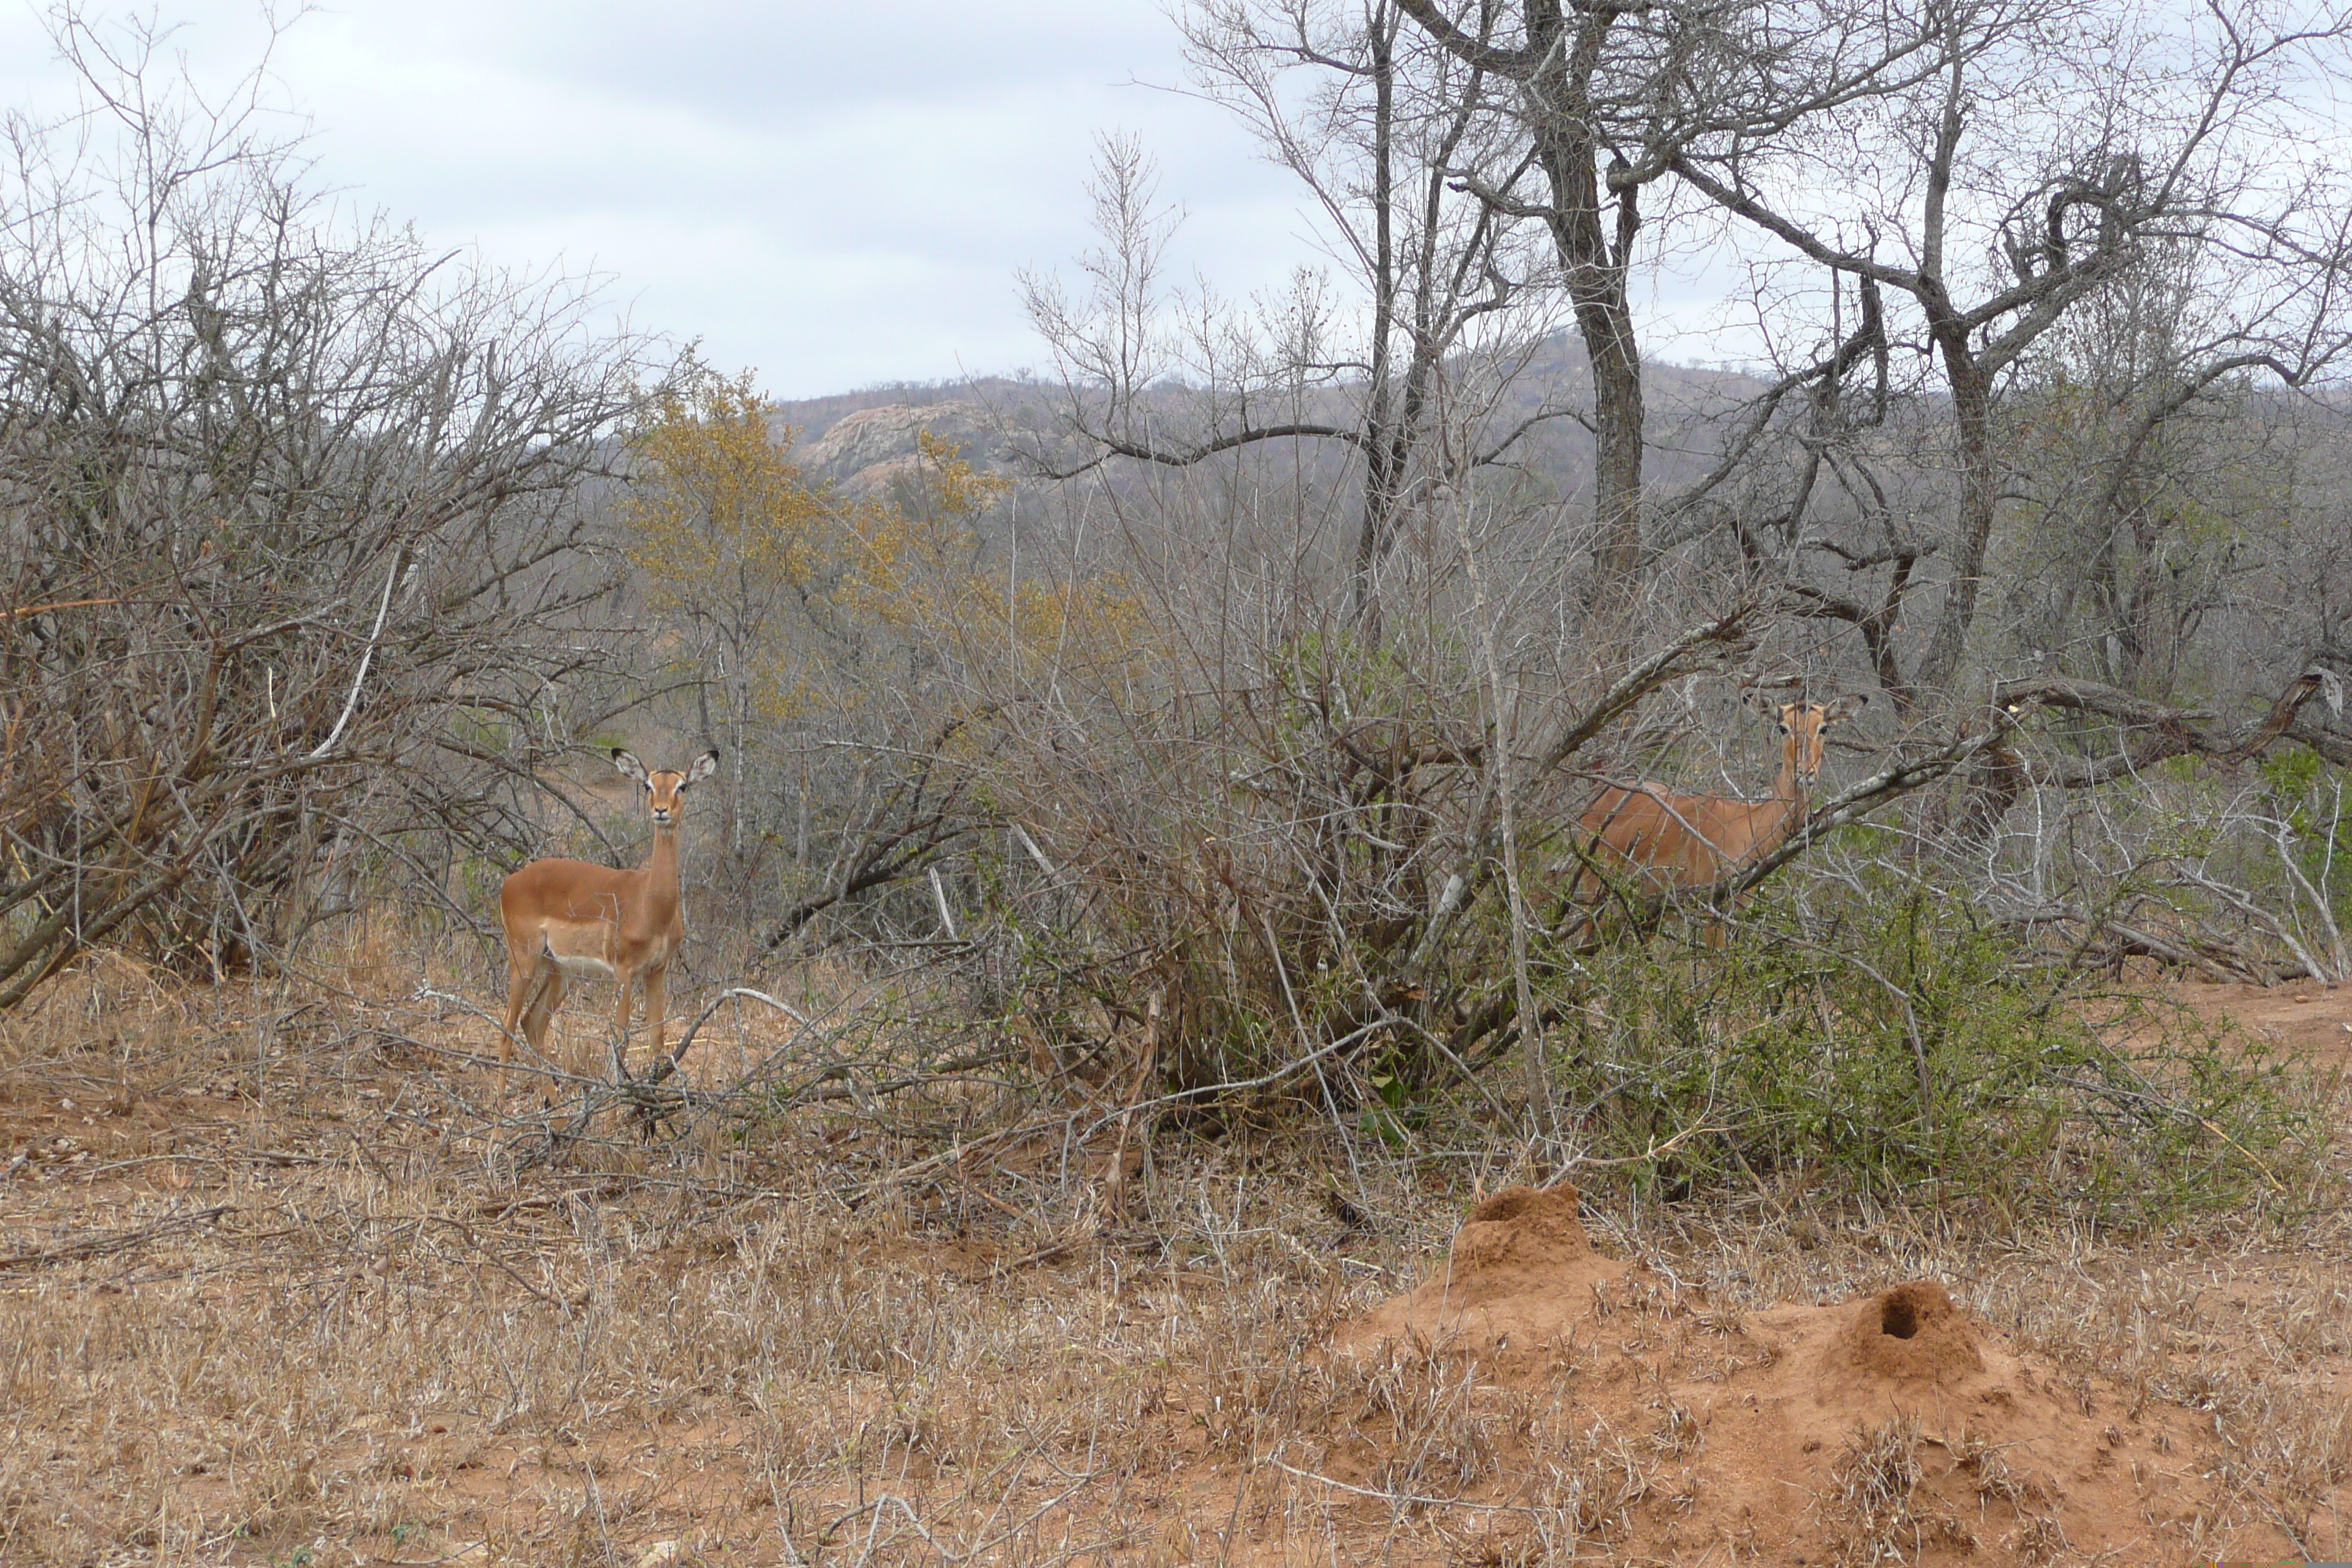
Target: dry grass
[{"x": 275, "y": 1287}]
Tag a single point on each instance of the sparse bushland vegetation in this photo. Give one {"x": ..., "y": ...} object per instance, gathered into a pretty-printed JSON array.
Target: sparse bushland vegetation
[
  {"x": 1133, "y": 917},
  {"x": 1903, "y": 1043},
  {"x": 272, "y": 1284},
  {"x": 290, "y": 519}
]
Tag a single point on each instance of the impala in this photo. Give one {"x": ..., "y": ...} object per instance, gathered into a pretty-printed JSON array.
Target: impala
[
  {"x": 569, "y": 920},
  {"x": 1659, "y": 839}
]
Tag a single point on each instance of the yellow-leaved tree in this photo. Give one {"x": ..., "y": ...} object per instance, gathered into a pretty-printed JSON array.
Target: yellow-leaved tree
[
  {"x": 731, "y": 544},
  {"x": 859, "y": 659},
  {"x": 920, "y": 565}
]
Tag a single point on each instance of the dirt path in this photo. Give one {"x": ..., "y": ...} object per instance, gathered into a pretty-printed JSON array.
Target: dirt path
[{"x": 2312, "y": 1020}]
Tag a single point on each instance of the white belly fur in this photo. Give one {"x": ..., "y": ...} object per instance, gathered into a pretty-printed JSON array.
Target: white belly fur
[{"x": 577, "y": 948}]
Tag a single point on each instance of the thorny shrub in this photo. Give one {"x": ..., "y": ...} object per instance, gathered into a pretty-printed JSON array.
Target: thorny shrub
[{"x": 1903, "y": 1040}]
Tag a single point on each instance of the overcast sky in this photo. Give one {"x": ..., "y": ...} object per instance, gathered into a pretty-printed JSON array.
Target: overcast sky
[{"x": 837, "y": 194}]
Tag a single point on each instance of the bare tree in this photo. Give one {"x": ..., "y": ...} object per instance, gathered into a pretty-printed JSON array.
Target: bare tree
[
  {"x": 1604, "y": 98},
  {"x": 2023, "y": 161},
  {"x": 1378, "y": 127},
  {"x": 1560, "y": 65},
  {"x": 287, "y": 518}
]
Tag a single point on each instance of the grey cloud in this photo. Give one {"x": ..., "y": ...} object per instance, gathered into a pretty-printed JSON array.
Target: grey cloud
[
  {"x": 838, "y": 195},
  {"x": 783, "y": 64}
]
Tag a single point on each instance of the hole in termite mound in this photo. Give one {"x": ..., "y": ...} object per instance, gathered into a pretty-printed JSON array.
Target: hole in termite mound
[{"x": 1910, "y": 1333}]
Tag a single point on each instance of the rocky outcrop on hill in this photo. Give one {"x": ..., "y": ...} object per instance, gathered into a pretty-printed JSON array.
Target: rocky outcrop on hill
[{"x": 865, "y": 450}]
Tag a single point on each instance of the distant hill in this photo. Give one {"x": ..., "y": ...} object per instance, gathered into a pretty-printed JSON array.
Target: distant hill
[{"x": 861, "y": 440}]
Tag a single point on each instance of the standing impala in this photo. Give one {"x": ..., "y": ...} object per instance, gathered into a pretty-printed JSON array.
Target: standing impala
[
  {"x": 1660, "y": 841},
  {"x": 569, "y": 920}
]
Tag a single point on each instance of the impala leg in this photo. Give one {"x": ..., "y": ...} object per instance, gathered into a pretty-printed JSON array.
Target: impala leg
[
  {"x": 658, "y": 1010},
  {"x": 519, "y": 975},
  {"x": 621, "y": 1030}
]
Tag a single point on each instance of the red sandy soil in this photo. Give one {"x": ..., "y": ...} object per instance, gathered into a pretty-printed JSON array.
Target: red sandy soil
[
  {"x": 1888, "y": 1427},
  {"x": 2303, "y": 1016},
  {"x": 1530, "y": 1401}
]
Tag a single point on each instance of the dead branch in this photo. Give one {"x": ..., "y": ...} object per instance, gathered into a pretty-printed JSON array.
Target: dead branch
[
  {"x": 115, "y": 1241},
  {"x": 2162, "y": 732}
]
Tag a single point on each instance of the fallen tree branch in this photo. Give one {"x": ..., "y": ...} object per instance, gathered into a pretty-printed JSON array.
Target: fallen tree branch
[
  {"x": 2131, "y": 940},
  {"x": 114, "y": 1241}
]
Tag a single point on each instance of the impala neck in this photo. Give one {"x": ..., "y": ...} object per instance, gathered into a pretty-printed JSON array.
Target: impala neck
[
  {"x": 661, "y": 871},
  {"x": 1794, "y": 801}
]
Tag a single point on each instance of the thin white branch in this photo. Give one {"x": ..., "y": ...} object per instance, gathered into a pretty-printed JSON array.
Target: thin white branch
[{"x": 351, "y": 703}]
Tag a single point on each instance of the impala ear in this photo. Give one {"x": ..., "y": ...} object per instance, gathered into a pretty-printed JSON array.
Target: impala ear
[
  {"x": 1762, "y": 701},
  {"x": 702, "y": 767},
  {"x": 1844, "y": 708},
  {"x": 627, "y": 762}
]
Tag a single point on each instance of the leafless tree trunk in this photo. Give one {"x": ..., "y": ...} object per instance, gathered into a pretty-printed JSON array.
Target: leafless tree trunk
[
  {"x": 2195, "y": 147},
  {"x": 1379, "y": 141},
  {"x": 1593, "y": 215}
]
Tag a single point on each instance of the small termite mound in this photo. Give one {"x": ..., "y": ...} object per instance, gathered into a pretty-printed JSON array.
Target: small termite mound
[
  {"x": 1521, "y": 1271},
  {"x": 1516, "y": 1230},
  {"x": 1908, "y": 1333}
]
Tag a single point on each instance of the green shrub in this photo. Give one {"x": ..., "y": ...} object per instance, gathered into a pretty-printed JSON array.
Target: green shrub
[{"x": 1898, "y": 1041}]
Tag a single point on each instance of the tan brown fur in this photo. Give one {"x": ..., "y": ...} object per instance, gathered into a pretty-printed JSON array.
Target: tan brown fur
[
  {"x": 566, "y": 920},
  {"x": 1660, "y": 839}
]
